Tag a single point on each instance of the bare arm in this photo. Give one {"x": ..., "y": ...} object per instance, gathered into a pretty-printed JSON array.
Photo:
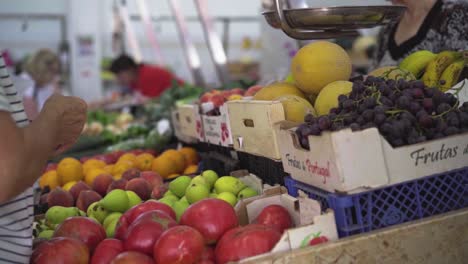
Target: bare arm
[
  {"x": 23, "y": 154},
  {"x": 25, "y": 151}
]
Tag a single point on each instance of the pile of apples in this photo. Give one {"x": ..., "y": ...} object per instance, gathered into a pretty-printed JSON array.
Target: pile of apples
[
  {"x": 216, "y": 98},
  {"x": 207, "y": 232}
]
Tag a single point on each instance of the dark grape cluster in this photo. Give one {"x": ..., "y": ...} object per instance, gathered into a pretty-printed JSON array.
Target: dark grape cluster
[{"x": 404, "y": 112}]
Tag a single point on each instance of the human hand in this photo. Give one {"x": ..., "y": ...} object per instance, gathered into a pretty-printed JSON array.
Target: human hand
[{"x": 66, "y": 115}]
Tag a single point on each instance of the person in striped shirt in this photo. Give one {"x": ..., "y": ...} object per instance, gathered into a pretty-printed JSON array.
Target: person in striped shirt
[{"x": 24, "y": 150}]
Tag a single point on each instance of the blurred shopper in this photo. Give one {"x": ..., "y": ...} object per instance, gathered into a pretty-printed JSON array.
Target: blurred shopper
[
  {"x": 43, "y": 70},
  {"x": 148, "y": 80},
  {"x": 24, "y": 150}
]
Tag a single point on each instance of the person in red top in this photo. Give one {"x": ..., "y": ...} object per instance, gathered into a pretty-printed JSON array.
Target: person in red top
[{"x": 148, "y": 80}]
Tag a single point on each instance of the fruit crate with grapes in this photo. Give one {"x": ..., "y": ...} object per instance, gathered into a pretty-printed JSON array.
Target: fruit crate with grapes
[
  {"x": 383, "y": 132},
  {"x": 252, "y": 126},
  {"x": 378, "y": 208}
]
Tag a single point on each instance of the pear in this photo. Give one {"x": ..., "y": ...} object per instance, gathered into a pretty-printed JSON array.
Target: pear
[
  {"x": 200, "y": 180},
  {"x": 210, "y": 176},
  {"x": 196, "y": 192},
  {"x": 110, "y": 218},
  {"x": 213, "y": 195},
  {"x": 133, "y": 199},
  {"x": 110, "y": 229},
  {"x": 97, "y": 211},
  {"x": 229, "y": 184},
  {"x": 228, "y": 197},
  {"x": 56, "y": 214},
  {"x": 183, "y": 199},
  {"x": 47, "y": 234},
  {"x": 179, "y": 185},
  {"x": 115, "y": 201},
  {"x": 246, "y": 193},
  {"x": 179, "y": 208},
  {"x": 169, "y": 200}
]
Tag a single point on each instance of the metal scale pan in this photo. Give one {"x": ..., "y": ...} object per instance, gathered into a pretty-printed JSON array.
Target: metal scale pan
[{"x": 329, "y": 22}]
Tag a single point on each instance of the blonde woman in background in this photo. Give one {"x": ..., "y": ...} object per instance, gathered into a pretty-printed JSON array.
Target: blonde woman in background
[{"x": 43, "y": 72}]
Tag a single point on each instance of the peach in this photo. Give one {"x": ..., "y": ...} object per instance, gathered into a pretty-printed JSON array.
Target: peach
[
  {"x": 158, "y": 191},
  {"x": 77, "y": 188},
  {"x": 131, "y": 174},
  {"x": 86, "y": 198},
  {"x": 152, "y": 178},
  {"x": 118, "y": 184},
  {"x": 59, "y": 196},
  {"x": 101, "y": 183},
  {"x": 140, "y": 186}
]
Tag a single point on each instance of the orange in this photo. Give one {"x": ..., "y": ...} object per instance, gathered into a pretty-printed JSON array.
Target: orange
[
  {"x": 127, "y": 156},
  {"x": 144, "y": 161},
  {"x": 69, "y": 169},
  {"x": 122, "y": 166},
  {"x": 164, "y": 166},
  {"x": 68, "y": 185},
  {"x": 50, "y": 179},
  {"x": 108, "y": 168},
  {"x": 92, "y": 174},
  {"x": 190, "y": 155},
  {"x": 191, "y": 169},
  {"x": 177, "y": 158},
  {"x": 91, "y": 164}
]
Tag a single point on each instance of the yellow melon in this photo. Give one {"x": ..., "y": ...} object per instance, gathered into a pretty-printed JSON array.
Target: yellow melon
[
  {"x": 295, "y": 107},
  {"x": 275, "y": 90},
  {"x": 318, "y": 64},
  {"x": 328, "y": 97}
]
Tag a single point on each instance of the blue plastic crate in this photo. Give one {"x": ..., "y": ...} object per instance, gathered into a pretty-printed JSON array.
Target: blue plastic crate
[{"x": 395, "y": 204}]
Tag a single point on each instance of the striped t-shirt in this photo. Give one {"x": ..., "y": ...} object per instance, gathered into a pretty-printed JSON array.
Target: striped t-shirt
[{"x": 16, "y": 215}]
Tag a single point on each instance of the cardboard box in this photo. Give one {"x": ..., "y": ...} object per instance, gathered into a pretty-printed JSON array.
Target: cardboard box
[
  {"x": 216, "y": 129},
  {"x": 346, "y": 161},
  {"x": 252, "y": 126},
  {"x": 188, "y": 120},
  {"x": 178, "y": 130},
  {"x": 306, "y": 214}
]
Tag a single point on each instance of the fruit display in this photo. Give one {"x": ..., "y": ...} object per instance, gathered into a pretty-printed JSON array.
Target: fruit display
[
  {"x": 211, "y": 101},
  {"x": 405, "y": 112}
]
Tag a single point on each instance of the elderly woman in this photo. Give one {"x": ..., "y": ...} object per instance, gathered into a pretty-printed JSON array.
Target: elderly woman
[
  {"x": 42, "y": 70},
  {"x": 433, "y": 25}
]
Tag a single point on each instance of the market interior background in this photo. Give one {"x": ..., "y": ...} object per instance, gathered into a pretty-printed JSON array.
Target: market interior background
[{"x": 57, "y": 24}]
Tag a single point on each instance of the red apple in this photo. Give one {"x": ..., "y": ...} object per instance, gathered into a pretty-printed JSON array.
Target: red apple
[
  {"x": 130, "y": 257},
  {"x": 146, "y": 230},
  {"x": 275, "y": 216},
  {"x": 85, "y": 229},
  {"x": 131, "y": 174},
  {"x": 61, "y": 250},
  {"x": 141, "y": 187},
  {"x": 121, "y": 228},
  {"x": 211, "y": 217},
  {"x": 246, "y": 241},
  {"x": 159, "y": 191},
  {"x": 217, "y": 100},
  {"x": 238, "y": 91},
  {"x": 180, "y": 244},
  {"x": 106, "y": 251},
  {"x": 205, "y": 98},
  {"x": 152, "y": 178},
  {"x": 147, "y": 206},
  {"x": 253, "y": 90},
  {"x": 59, "y": 196}
]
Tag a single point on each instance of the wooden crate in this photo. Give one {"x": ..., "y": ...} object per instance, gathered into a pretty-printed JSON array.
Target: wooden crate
[
  {"x": 435, "y": 240},
  {"x": 178, "y": 131},
  {"x": 188, "y": 119},
  {"x": 252, "y": 126}
]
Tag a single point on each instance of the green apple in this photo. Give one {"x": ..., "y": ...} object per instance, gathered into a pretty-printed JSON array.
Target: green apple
[
  {"x": 210, "y": 176},
  {"x": 110, "y": 218},
  {"x": 179, "y": 185},
  {"x": 179, "y": 208},
  {"x": 110, "y": 229},
  {"x": 133, "y": 199},
  {"x": 183, "y": 199},
  {"x": 213, "y": 195},
  {"x": 97, "y": 211},
  {"x": 229, "y": 184},
  {"x": 246, "y": 193},
  {"x": 228, "y": 197},
  {"x": 169, "y": 200},
  {"x": 115, "y": 201},
  {"x": 200, "y": 180},
  {"x": 196, "y": 192}
]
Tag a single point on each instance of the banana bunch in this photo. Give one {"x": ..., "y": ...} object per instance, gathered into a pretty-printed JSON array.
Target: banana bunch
[{"x": 436, "y": 70}]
